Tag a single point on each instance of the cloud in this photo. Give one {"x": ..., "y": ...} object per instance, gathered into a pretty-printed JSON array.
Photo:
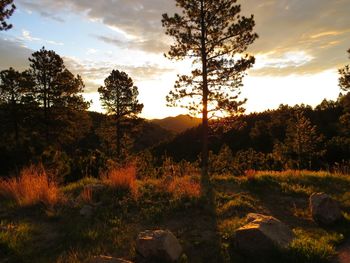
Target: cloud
[
  {"x": 14, "y": 54},
  {"x": 94, "y": 73},
  {"x": 26, "y": 35},
  {"x": 137, "y": 18},
  {"x": 147, "y": 45},
  {"x": 318, "y": 28}
]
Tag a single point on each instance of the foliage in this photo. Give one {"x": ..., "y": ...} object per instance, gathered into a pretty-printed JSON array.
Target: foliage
[
  {"x": 6, "y": 10},
  {"x": 58, "y": 93},
  {"x": 302, "y": 142},
  {"x": 344, "y": 80},
  {"x": 182, "y": 187},
  {"x": 212, "y": 34},
  {"x": 33, "y": 186},
  {"x": 123, "y": 179},
  {"x": 119, "y": 98}
]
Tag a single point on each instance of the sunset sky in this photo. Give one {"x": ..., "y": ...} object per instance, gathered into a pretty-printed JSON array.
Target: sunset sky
[{"x": 301, "y": 45}]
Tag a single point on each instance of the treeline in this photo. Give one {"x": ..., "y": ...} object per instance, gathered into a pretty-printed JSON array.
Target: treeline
[
  {"x": 45, "y": 119},
  {"x": 299, "y": 137}
]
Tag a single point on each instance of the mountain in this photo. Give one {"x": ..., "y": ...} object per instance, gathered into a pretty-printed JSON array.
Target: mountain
[{"x": 177, "y": 124}]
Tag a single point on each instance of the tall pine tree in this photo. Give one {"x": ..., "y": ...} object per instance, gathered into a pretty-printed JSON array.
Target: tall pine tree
[
  {"x": 215, "y": 37},
  {"x": 119, "y": 98},
  {"x": 58, "y": 93}
]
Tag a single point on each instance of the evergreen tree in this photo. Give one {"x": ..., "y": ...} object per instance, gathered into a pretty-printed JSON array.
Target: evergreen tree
[
  {"x": 302, "y": 141},
  {"x": 58, "y": 93},
  {"x": 6, "y": 10},
  {"x": 215, "y": 37},
  {"x": 119, "y": 98},
  {"x": 13, "y": 94},
  {"x": 344, "y": 81}
]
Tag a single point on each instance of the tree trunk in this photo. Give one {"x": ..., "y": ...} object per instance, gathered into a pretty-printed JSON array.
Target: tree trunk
[
  {"x": 118, "y": 138},
  {"x": 205, "y": 125},
  {"x": 15, "y": 121},
  {"x": 46, "y": 121}
]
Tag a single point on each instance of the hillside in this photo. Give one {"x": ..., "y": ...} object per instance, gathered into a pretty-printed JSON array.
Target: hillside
[
  {"x": 177, "y": 124},
  {"x": 93, "y": 217}
]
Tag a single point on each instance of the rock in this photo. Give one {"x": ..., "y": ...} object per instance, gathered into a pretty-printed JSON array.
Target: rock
[
  {"x": 86, "y": 211},
  {"x": 324, "y": 209},
  {"x": 262, "y": 234},
  {"x": 106, "y": 259},
  {"x": 159, "y": 244}
]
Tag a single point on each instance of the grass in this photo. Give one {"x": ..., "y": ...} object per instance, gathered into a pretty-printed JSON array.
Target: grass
[
  {"x": 174, "y": 203},
  {"x": 121, "y": 178},
  {"x": 33, "y": 186},
  {"x": 182, "y": 187}
]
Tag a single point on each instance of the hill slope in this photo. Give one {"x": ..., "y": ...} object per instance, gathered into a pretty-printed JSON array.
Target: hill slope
[{"x": 177, "y": 124}]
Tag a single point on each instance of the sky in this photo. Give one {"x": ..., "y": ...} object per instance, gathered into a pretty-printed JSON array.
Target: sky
[{"x": 301, "y": 45}]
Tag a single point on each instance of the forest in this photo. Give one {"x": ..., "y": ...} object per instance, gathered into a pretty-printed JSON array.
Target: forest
[{"x": 215, "y": 185}]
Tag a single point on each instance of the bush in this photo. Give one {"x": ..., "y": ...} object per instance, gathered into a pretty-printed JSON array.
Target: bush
[
  {"x": 121, "y": 178},
  {"x": 33, "y": 186},
  {"x": 181, "y": 187}
]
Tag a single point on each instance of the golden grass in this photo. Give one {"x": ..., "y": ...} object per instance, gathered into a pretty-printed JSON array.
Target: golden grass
[
  {"x": 86, "y": 195},
  {"x": 185, "y": 186},
  {"x": 31, "y": 187},
  {"x": 121, "y": 178},
  {"x": 296, "y": 173}
]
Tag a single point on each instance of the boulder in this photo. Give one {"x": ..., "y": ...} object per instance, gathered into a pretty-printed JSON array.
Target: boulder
[
  {"x": 262, "y": 234},
  {"x": 159, "y": 244},
  {"x": 107, "y": 259},
  {"x": 324, "y": 209},
  {"x": 86, "y": 211}
]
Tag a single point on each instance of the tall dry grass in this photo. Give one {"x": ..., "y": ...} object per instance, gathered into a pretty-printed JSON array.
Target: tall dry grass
[
  {"x": 121, "y": 178},
  {"x": 31, "y": 187},
  {"x": 185, "y": 186}
]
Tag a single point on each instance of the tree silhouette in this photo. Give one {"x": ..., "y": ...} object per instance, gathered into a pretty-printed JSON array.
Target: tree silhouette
[
  {"x": 6, "y": 10},
  {"x": 119, "y": 98},
  {"x": 344, "y": 80},
  {"x": 302, "y": 141},
  {"x": 57, "y": 91},
  {"x": 214, "y": 36},
  {"x": 12, "y": 92}
]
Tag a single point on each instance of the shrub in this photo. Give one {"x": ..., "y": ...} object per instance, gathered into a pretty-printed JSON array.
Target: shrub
[
  {"x": 31, "y": 187},
  {"x": 182, "y": 187},
  {"x": 121, "y": 178}
]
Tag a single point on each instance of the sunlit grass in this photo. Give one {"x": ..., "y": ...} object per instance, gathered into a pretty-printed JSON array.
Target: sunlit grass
[
  {"x": 14, "y": 237},
  {"x": 31, "y": 187},
  {"x": 121, "y": 178},
  {"x": 185, "y": 186},
  {"x": 314, "y": 247}
]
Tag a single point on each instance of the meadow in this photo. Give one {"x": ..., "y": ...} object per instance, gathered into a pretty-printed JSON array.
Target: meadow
[{"x": 41, "y": 221}]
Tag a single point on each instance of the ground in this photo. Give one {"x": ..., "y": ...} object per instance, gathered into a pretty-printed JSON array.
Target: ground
[{"x": 204, "y": 225}]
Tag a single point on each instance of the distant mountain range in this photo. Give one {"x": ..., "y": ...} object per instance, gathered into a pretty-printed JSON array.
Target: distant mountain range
[{"x": 177, "y": 124}]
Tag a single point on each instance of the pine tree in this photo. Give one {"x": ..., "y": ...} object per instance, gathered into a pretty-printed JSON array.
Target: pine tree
[
  {"x": 11, "y": 94},
  {"x": 215, "y": 37},
  {"x": 344, "y": 80},
  {"x": 119, "y": 98},
  {"x": 302, "y": 141},
  {"x": 58, "y": 93}
]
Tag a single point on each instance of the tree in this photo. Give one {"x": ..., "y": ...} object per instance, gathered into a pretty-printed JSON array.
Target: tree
[
  {"x": 13, "y": 91},
  {"x": 215, "y": 37},
  {"x": 344, "y": 80},
  {"x": 303, "y": 141},
  {"x": 119, "y": 98},
  {"x": 6, "y": 10},
  {"x": 58, "y": 93}
]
